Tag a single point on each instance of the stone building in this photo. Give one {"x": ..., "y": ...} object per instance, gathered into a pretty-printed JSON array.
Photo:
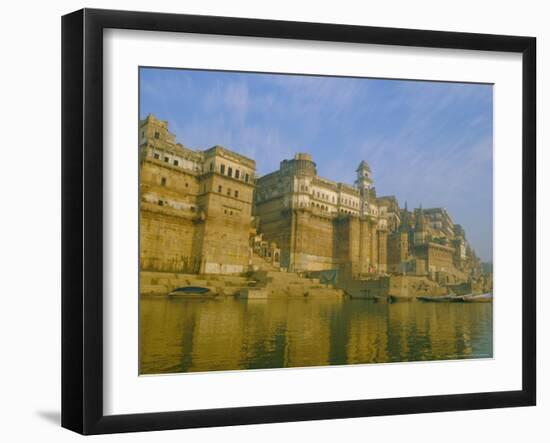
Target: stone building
[
  {"x": 195, "y": 206},
  {"x": 204, "y": 211},
  {"x": 319, "y": 224},
  {"x": 428, "y": 242}
]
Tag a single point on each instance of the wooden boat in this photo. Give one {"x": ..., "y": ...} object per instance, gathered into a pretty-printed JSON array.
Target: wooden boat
[
  {"x": 440, "y": 298},
  {"x": 481, "y": 298},
  {"x": 195, "y": 292}
]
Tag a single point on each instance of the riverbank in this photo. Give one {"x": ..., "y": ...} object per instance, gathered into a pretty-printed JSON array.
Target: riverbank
[{"x": 275, "y": 283}]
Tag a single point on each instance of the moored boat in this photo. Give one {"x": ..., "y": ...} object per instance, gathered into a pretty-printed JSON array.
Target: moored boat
[
  {"x": 440, "y": 298},
  {"x": 481, "y": 298},
  {"x": 197, "y": 292}
]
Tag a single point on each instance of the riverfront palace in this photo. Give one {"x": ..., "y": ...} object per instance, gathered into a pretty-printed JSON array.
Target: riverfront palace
[{"x": 207, "y": 213}]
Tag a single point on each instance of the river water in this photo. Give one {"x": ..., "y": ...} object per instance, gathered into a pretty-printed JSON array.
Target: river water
[{"x": 178, "y": 335}]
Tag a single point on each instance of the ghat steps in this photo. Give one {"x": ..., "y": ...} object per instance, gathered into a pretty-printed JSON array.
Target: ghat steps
[
  {"x": 265, "y": 277},
  {"x": 274, "y": 282}
]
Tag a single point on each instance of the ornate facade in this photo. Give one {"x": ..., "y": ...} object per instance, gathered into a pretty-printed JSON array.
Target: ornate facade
[{"x": 319, "y": 224}]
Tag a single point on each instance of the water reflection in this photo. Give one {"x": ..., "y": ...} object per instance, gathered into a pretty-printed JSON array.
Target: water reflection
[{"x": 189, "y": 335}]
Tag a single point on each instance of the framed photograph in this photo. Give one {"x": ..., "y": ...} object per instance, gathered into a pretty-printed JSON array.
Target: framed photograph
[{"x": 268, "y": 221}]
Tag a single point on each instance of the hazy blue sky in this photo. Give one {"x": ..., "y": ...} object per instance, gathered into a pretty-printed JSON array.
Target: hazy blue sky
[{"x": 426, "y": 142}]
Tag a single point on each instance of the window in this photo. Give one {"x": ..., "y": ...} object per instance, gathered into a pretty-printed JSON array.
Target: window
[
  {"x": 186, "y": 185},
  {"x": 246, "y": 178},
  {"x": 142, "y": 134},
  {"x": 236, "y": 193},
  {"x": 163, "y": 181},
  {"x": 222, "y": 169},
  {"x": 157, "y": 135},
  {"x": 228, "y": 191},
  {"x": 211, "y": 166},
  {"x": 176, "y": 163},
  {"x": 237, "y": 173},
  {"x": 220, "y": 189},
  {"x": 166, "y": 159},
  {"x": 156, "y": 156},
  {"x": 230, "y": 171},
  {"x": 160, "y": 203}
]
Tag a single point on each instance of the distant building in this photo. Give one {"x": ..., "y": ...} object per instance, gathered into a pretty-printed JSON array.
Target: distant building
[{"x": 427, "y": 241}]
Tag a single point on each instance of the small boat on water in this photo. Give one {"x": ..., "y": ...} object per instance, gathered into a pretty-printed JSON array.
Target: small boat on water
[
  {"x": 195, "y": 292},
  {"x": 481, "y": 298},
  {"x": 468, "y": 298},
  {"x": 440, "y": 298}
]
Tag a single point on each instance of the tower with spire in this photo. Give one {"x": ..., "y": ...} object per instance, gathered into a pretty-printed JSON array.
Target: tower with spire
[
  {"x": 364, "y": 184},
  {"x": 405, "y": 222},
  {"x": 364, "y": 177}
]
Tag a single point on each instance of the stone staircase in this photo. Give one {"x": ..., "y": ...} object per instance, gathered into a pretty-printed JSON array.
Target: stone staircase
[
  {"x": 261, "y": 264},
  {"x": 271, "y": 281},
  {"x": 264, "y": 281}
]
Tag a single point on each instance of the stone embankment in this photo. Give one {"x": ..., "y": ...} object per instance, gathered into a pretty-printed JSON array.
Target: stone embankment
[
  {"x": 398, "y": 287},
  {"x": 264, "y": 281},
  {"x": 161, "y": 283}
]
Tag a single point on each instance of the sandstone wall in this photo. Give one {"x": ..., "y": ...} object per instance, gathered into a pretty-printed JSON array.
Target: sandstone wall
[
  {"x": 166, "y": 240},
  {"x": 313, "y": 241}
]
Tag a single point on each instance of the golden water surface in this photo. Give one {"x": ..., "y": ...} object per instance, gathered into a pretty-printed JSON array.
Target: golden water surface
[{"x": 178, "y": 335}]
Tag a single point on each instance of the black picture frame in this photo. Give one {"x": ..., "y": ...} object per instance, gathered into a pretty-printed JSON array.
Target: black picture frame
[{"x": 82, "y": 218}]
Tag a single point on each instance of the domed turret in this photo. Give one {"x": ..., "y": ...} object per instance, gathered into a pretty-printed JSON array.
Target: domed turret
[{"x": 301, "y": 164}]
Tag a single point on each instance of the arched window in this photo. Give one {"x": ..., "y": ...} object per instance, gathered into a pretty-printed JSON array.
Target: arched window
[{"x": 222, "y": 169}]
